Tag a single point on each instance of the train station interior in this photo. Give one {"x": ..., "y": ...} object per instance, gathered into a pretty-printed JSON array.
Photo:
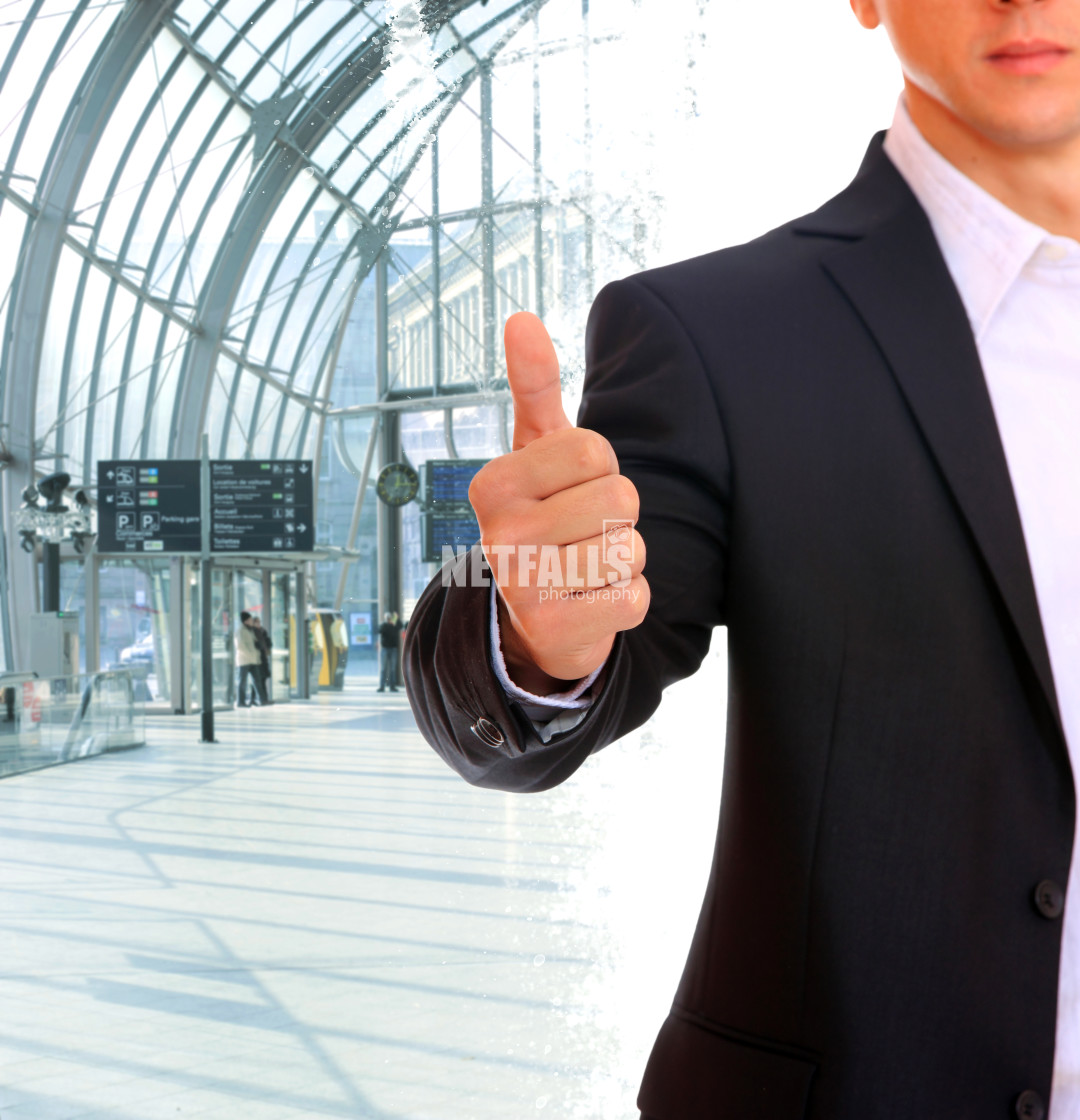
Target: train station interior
[{"x": 255, "y": 258}]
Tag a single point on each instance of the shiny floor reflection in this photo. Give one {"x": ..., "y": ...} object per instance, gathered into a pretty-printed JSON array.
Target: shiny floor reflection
[{"x": 315, "y": 917}]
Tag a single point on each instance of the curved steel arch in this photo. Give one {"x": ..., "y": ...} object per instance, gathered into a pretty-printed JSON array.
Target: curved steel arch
[
  {"x": 268, "y": 188},
  {"x": 57, "y": 190},
  {"x": 313, "y": 113}
]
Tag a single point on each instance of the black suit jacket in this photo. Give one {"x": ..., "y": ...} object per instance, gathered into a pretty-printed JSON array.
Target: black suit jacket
[{"x": 807, "y": 422}]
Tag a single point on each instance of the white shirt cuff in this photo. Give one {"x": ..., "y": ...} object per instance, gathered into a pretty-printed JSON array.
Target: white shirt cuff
[{"x": 552, "y": 713}]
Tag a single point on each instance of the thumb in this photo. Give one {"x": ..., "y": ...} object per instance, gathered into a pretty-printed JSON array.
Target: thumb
[{"x": 532, "y": 369}]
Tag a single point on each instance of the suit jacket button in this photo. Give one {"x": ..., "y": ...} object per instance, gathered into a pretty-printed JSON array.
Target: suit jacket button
[
  {"x": 1030, "y": 1106},
  {"x": 1049, "y": 899},
  {"x": 488, "y": 732}
]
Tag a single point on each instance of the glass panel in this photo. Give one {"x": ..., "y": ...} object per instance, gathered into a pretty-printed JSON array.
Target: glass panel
[
  {"x": 219, "y": 197},
  {"x": 103, "y": 418},
  {"x": 423, "y": 436},
  {"x": 165, "y": 388},
  {"x": 81, "y": 373},
  {"x": 54, "y": 98},
  {"x": 217, "y": 415},
  {"x": 48, "y": 722},
  {"x": 73, "y": 598},
  {"x": 476, "y": 432},
  {"x": 142, "y": 90},
  {"x": 264, "y": 425},
  {"x": 290, "y": 444},
  {"x": 248, "y": 592},
  {"x": 12, "y": 225},
  {"x": 354, "y": 379},
  {"x": 246, "y": 391},
  {"x": 25, "y": 70},
  {"x": 142, "y": 381},
  {"x": 186, "y": 206},
  {"x": 61, "y": 304},
  {"x": 135, "y": 625},
  {"x": 280, "y": 611},
  {"x": 222, "y": 651},
  {"x": 224, "y": 625},
  {"x": 193, "y": 628}
]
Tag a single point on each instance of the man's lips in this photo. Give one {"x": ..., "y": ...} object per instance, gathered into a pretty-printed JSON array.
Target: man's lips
[{"x": 1033, "y": 56}]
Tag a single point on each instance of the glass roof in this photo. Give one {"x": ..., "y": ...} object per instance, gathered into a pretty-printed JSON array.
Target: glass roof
[
  {"x": 198, "y": 190},
  {"x": 254, "y": 221}
]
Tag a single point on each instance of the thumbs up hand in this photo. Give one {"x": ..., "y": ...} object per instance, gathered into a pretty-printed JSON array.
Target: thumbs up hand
[{"x": 556, "y": 523}]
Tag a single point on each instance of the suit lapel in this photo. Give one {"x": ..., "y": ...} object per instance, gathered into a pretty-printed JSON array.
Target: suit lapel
[{"x": 896, "y": 279}]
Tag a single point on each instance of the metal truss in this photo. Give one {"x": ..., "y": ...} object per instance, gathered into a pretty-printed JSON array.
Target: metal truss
[{"x": 200, "y": 300}]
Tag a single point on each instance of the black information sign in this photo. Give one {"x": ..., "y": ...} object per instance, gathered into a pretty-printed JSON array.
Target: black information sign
[
  {"x": 149, "y": 505},
  {"x": 261, "y": 505},
  {"x": 446, "y": 519},
  {"x": 444, "y": 483},
  {"x": 439, "y": 530}
]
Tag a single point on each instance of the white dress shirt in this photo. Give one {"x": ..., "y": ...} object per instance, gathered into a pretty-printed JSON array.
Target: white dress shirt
[{"x": 1021, "y": 288}]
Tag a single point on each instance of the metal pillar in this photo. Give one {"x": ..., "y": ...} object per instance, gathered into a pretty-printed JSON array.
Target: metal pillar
[
  {"x": 50, "y": 577},
  {"x": 436, "y": 273},
  {"x": 538, "y": 176},
  {"x": 268, "y": 622},
  {"x": 178, "y": 674},
  {"x": 388, "y": 521},
  {"x": 590, "y": 222},
  {"x": 303, "y": 638},
  {"x": 487, "y": 223},
  {"x": 358, "y": 505},
  {"x": 92, "y": 608},
  {"x": 206, "y": 630}
]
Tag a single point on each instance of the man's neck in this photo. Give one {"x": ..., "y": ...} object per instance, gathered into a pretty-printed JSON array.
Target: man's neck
[{"x": 1041, "y": 184}]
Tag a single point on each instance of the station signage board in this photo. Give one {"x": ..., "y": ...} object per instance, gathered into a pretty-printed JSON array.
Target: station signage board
[
  {"x": 155, "y": 506},
  {"x": 149, "y": 505},
  {"x": 261, "y": 505}
]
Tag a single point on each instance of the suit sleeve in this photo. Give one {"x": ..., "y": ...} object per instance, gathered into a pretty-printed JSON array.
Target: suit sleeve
[{"x": 647, "y": 391}]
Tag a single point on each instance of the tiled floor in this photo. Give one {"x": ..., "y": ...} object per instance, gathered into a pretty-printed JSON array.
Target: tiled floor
[{"x": 314, "y": 917}]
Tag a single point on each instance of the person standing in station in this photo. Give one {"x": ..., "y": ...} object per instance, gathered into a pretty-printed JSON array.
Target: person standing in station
[
  {"x": 264, "y": 644},
  {"x": 249, "y": 664},
  {"x": 389, "y": 633}
]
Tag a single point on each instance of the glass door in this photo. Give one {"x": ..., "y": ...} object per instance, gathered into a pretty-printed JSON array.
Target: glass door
[
  {"x": 135, "y": 626},
  {"x": 281, "y": 606},
  {"x": 222, "y": 628}
]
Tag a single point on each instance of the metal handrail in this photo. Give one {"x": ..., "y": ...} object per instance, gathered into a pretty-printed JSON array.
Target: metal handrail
[{"x": 8, "y": 679}]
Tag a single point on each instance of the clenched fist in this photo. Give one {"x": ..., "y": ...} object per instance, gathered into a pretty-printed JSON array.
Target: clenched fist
[{"x": 556, "y": 523}]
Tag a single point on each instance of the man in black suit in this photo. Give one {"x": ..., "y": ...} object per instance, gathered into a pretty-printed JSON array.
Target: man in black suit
[{"x": 849, "y": 443}]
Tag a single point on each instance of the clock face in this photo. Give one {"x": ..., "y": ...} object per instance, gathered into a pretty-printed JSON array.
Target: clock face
[{"x": 398, "y": 484}]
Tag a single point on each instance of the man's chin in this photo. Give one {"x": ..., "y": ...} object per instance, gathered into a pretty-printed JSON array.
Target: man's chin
[
  {"x": 1030, "y": 133},
  {"x": 1028, "y": 118}
]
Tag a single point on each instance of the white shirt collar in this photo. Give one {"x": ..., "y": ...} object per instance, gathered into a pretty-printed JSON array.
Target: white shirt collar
[{"x": 986, "y": 245}]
